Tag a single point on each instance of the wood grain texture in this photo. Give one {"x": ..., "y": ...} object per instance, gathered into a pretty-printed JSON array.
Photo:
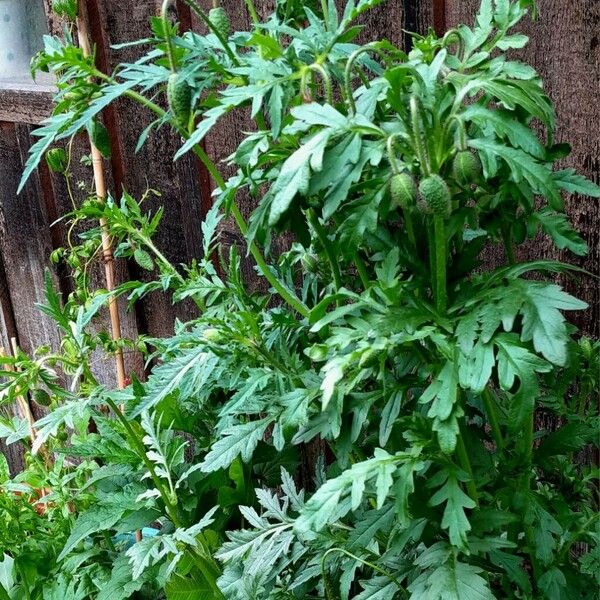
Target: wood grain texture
[
  {"x": 564, "y": 48},
  {"x": 24, "y": 242},
  {"x": 27, "y": 103}
]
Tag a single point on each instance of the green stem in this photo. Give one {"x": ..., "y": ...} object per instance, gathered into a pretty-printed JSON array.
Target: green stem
[
  {"x": 205, "y": 562},
  {"x": 362, "y": 271},
  {"x": 465, "y": 463},
  {"x": 583, "y": 398},
  {"x": 453, "y": 34},
  {"x": 528, "y": 446},
  {"x": 167, "y": 34},
  {"x": 321, "y": 234},
  {"x": 290, "y": 298},
  {"x": 489, "y": 402},
  {"x": 420, "y": 149},
  {"x": 362, "y": 561},
  {"x": 391, "y": 154},
  {"x": 160, "y": 256},
  {"x": 432, "y": 261},
  {"x": 316, "y": 67},
  {"x": 508, "y": 245},
  {"x": 252, "y": 12},
  {"x": 325, "y": 11},
  {"x": 441, "y": 293},
  {"x": 410, "y": 227},
  {"x": 348, "y": 73}
]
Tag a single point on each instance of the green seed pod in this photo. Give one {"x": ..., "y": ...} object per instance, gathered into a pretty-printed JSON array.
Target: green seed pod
[
  {"x": 403, "y": 190},
  {"x": 435, "y": 196},
  {"x": 586, "y": 347},
  {"x": 41, "y": 397},
  {"x": 179, "y": 95},
  {"x": 57, "y": 160},
  {"x": 143, "y": 259},
  {"x": 466, "y": 167},
  {"x": 212, "y": 334},
  {"x": 310, "y": 263},
  {"x": 220, "y": 19}
]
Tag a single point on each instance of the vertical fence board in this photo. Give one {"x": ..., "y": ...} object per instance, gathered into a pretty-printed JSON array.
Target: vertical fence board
[
  {"x": 25, "y": 243},
  {"x": 24, "y": 240}
]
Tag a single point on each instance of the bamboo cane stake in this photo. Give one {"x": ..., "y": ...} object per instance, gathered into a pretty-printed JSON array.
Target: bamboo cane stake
[{"x": 107, "y": 250}]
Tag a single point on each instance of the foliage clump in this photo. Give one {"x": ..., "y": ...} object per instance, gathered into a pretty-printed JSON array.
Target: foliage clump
[{"x": 382, "y": 339}]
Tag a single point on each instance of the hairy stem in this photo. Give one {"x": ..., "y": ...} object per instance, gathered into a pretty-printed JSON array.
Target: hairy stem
[
  {"x": 420, "y": 148},
  {"x": 410, "y": 227},
  {"x": 348, "y": 73},
  {"x": 441, "y": 293},
  {"x": 167, "y": 34},
  {"x": 321, "y": 234},
  {"x": 281, "y": 289},
  {"x": 252, "y": 12},
  {"x": 489, "y": 402},
  {"x": 465, "y": 463}
]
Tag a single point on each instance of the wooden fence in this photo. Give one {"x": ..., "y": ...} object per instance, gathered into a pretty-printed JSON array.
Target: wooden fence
[{"x": 565, "y": 48}]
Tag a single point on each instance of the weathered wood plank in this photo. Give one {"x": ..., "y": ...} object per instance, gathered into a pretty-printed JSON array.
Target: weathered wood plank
[
  {"x": 24, "y": 241},
  {"x": 27, "y": 103}
]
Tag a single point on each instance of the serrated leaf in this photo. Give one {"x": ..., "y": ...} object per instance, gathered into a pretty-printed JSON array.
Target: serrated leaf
[
  {"x": 238, "y": 440},
  {"x": 366, "y": 529},
  {"x": 557, "y": 226},
  {"x": 185, "y": 374},
  {"x": 338, "y": 496},
  {"x": 573, "y": 183},
  {"x": 454, "y": 518},
  {"x": 524, "y": 167},
  {"x": 543, "y": 323},
  {"x": 443, "y": 394},
  {"x": 388, "y": 416},
  {"x": 452, "y": 581},
  {"x": 294, "y": 177},
  {"x": 506, "y": 126}
]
